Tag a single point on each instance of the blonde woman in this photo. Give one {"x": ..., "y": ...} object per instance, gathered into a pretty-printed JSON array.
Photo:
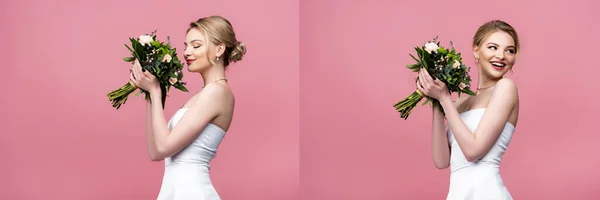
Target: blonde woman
[
  {"x": 480, "y": 127},
  {"x": 190, "y": 139}
]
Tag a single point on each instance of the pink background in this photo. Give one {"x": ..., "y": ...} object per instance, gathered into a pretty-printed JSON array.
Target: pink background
[
  {"x": 354, "y": 144},
  {"x": 61, "y": 139},
  {"x": 66, "y": 141}
]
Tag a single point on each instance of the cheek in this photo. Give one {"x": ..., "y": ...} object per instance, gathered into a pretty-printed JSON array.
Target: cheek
[
  {"x": 486, "y": 54},
  {"x": 199, "y": 53}
]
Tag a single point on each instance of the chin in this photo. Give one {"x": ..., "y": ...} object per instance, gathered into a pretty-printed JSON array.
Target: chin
[
  {"x": 192, "y": 69},
  {"x": 496, "y": 73}
]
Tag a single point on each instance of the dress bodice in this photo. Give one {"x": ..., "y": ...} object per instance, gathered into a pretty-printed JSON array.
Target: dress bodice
[
  {"x": 186, "y": 173},
  {"x": 202, "y": 150},
  {"x": 493, "y": 157},
  {"x": 478, "y": 179}
]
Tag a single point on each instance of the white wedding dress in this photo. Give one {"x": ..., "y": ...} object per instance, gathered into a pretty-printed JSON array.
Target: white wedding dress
[
  {"x": 186, "y": 175},
  {"x": 478, "y": 180}
]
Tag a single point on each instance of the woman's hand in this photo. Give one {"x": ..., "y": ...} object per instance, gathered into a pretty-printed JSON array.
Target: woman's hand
[
  {"x": 432, "y": 88},
  {"x": 144, "y": 80}
]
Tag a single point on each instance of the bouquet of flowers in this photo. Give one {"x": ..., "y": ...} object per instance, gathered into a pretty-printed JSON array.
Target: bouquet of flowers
[
  {"x": 441, "y": 63},
  {"x": 157, "y": 57}
]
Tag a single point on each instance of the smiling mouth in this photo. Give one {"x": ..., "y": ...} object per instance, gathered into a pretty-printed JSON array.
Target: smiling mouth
[
  {"x": 498, "y": 65},
  {"x": 189, "y": 62}
]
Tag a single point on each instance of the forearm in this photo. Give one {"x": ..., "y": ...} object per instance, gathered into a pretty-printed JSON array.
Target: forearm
[
  {"x": 440, "y": 149},
  {"x": 160, "y": 131},
  {"x": 150, "y": 144},
  {"x": 463, "y": 135}
]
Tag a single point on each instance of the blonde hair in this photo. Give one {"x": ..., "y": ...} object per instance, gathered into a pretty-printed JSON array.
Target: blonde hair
[
  {"x": 492, "y": 26},
  {"x": 219, "y": 30}
]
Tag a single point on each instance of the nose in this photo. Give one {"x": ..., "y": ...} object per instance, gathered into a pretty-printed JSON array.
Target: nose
[
  {"x": 499, "y": 55},
  {"x": 186, "y": 52}
]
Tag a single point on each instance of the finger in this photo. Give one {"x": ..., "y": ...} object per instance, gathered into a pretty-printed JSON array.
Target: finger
[
  {"x": 427, "y": 76},
  {"x": 147, "y": 74},
  {"x": 420, "y": 88},
  {"x": 423, "y": 80},
  {"x": 136, "y": 75},
  {"x": 131, "y": 74},
  {"x": 438, "y": 82},
  {"x": 418, "y": 82},
  {"x": 141, "y": 68},
  {"x": 132, "y": 79},
  {"x": 138, "y": 69}
]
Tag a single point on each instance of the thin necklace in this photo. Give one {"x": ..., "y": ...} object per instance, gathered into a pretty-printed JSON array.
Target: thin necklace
[
  {"x": 485, "y": 88},
  {"x": 225, "y": 79}
]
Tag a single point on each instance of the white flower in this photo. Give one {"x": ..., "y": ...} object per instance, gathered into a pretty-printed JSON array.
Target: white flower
[
  {"x": 167, "y": 58},
  {"x": 456, "y": 64},
  {"x": 462, "y": 85},
  {"x": 173, "y": 80},
  {"x": 431, "y": 47},
  {"x": 145, "y": 39}
]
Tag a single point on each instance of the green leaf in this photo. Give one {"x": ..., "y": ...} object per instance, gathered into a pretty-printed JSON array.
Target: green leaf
[
  {"x": 418, "y": 61},
  {"x": 413, "y": 66},
  {"x": 442, "y": 50},
  {"x": 468, "y": 91},
  {"x": 443, "y": 77},
  {"x": 129, "y": 59},
  {"x": 139, "y": 50},
  {"x": 163, "y": 95},
  {"x": 130, "y": 50},
  {"x": 180, "y": 87},
  {"x": 426, "y": 102},
  {"x": 419, "y": 51},
  {"x": 133, "y": 40}
]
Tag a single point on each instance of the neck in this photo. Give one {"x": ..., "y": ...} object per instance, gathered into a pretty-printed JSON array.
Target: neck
[
  {"x": 213, "y": 74},
  {"x": 484, "y": 82}
]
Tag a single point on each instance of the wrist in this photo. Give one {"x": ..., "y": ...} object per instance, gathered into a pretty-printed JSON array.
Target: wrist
[
  {"x": 445, "y": 101},
  {"x": 154, "y": 91}
]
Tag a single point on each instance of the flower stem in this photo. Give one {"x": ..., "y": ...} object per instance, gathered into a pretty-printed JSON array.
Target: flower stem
[
  {"x": 119, "y": 96},
  {"x": 406, "y": 106}
]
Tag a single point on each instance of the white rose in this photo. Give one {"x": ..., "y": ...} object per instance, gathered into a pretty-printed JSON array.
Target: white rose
[
  {"x": 145, "y": 39},
  {"x": 167, "y": 58},
  {"x": 173, "y": 80},
  {"x": 431, "y": 47},
  {"x": 456, "y": 64},
  {"x": 462, "y": 85}
]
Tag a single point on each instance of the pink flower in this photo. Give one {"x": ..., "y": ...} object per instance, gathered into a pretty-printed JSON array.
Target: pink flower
[
  {"x": 173, "y": 80},
  {"x": 167, "y": 58},
  {"x": 456, "y": 64}
]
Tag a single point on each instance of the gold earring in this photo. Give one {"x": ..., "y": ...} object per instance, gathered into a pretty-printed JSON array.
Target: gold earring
[{"x": 217, "y": 58}]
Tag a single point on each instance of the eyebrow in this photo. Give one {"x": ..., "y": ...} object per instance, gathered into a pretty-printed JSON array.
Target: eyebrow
[
  {"x": 499, "y": 45},
  {"x": 196, "y": 40}
]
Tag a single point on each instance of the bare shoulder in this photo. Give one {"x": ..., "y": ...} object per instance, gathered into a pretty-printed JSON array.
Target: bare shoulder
[
  {"x": 215, "y": 93},
  {"x": 506, "y": 86},
  {"x": 506, "y": 96},
  {"x": 507, "y": 82}
]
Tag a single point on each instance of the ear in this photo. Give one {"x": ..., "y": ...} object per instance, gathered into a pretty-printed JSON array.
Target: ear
[
  {"x": 476, "y": 51},
  {"x": 220, "y": 49}
]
